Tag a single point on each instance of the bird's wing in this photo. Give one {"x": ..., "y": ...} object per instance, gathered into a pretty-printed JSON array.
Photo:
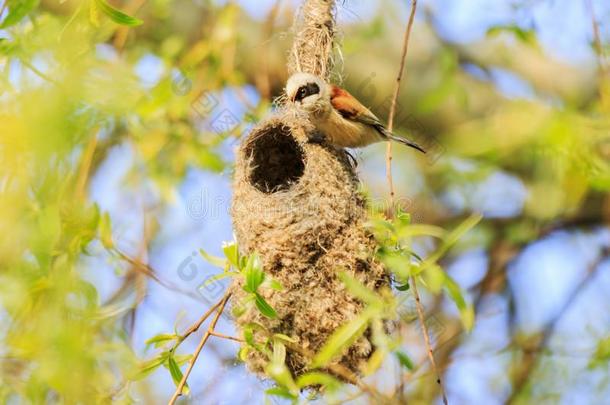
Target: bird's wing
[{"x": 350, "y": 108}]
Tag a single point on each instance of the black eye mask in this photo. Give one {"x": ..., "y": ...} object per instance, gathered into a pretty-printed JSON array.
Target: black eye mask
[{"x": 305, "y": 91}]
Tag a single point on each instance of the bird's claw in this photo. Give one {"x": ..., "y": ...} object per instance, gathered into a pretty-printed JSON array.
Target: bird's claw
[
  {"x": 316, "y": 137},
  {"x": 352, "y": 159}
]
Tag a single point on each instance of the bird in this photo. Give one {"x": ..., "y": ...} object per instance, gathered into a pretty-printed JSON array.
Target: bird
[{"x": 337, "y": 115}]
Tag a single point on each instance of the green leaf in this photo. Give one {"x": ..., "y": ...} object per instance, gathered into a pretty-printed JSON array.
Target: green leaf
[
  {"x": 94, "y": 14},
  {"x": 374, "y": 362},
  {"x": 278, "y": 370},
  {"x": 249, "y": 336},
  {"x": 403, "y": 218},
  {"x": 343, "y": 337},
  {"x": 416, "y": 256},
  {"x": 176, "y": 373},
  {"x": 279, "y": 352},
  {"x": 264, "y": 307},
  {"x": 421, "y": 230},
  {"x": 455, "y": 292},
  {"x": 466, "y": 310},
  {"x": 88, "y": 292},
  {"x": 281, "y": 375},
  {"x": 231, "y": 252},
  {"x": 6, "y": 48},
  {"x": 243, "y": 353},
  {"x": 467, "y": 317},
  {"x": 181, "y": 359},
  {"x": 105, "y": 229},
  {"x": 405, "y": 360},
  {"x": 453, "y": 237},
  {"x": 464, "y": 227},
  {"x": 398, "y": 261},
  {"x": 601, "y": 357},
  {"x": 404, "y": 287},
  {"x": 526, "y": 36},
  {"x": 359, "y": 290},
  {"x": 219, "y": 276},
  {"x": 283, "y": 337},
  {"x": 148, "y": 366},
  {"x": 282, "y": 392},
  {"x": 160, "y": 339},
  {"x": 255, "y": 326},
  {"x": 276, "y": 285},
  {"x": 435, "y": 277},
  {"x": 254, "y": 273},
  {"x": 17, "y": 9},
  {"x": 214, "y": 260},
  {"x": 380, "y": 225},
  {"x": 327, "y": 381},
  {"x": 117, "y": 16}
]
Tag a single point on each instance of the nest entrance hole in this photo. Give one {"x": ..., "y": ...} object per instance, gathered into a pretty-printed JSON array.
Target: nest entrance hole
[{"x": 277, "y": 160}]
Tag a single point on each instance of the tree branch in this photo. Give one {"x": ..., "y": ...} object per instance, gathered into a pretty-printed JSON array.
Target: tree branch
[
  {"x": 597, "y": 40},
  {"x": 420, "y": 311},
  {"x": 227, "y": 337},
  {"x": 531, "y": 356},
  {"x": 403, "y": 57},
  {"x": 425, "y": 332},
  {"x": 150, "y": 272},
  {"x": 202, "y": 343}
]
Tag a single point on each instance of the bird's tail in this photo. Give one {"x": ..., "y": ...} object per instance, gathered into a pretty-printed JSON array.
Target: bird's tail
[{"x": 404, "y": 141}]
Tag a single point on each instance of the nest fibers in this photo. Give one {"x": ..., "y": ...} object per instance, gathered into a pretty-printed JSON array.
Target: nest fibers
[
  {"x": 297, "y": 204},
  {"x": 313, "y": 42}
]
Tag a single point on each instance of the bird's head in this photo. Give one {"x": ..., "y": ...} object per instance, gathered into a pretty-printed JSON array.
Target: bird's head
[{"x": 307, "y": 91}]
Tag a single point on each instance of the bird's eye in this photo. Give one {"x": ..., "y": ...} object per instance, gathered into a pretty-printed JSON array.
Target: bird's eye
[{"x": 305, "y": 91}]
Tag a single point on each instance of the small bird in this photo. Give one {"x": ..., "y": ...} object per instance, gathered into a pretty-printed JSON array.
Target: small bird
[{"x": 337, "y": 115}]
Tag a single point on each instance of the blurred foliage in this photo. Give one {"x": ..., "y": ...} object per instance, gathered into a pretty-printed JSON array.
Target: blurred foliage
[{"x": 72, "y": 91}]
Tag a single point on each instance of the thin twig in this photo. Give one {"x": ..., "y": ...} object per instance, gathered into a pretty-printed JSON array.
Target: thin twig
[
  {"x": 39, "y": 73},
  {"x": 531, "y": 355},
  {"x": 597, "y": 40},
  {"x": 202, "y": 343},
  {"x": 403, "y": 57},
  {"x": 424, "y": 328},
  {"x": 401, "y": 69},
  {"x": 150, "y": 272},
  {"x": 223, "y": 336},
  {"x": 604, "y": 70},
  {"x": 85, "y": 167},
  {"x": 195, "y": 327}
]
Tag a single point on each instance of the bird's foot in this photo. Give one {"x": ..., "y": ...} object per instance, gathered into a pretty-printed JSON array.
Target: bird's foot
[
  {"x": 316, "y": 137},
  {"x": 351, "y": 159}
]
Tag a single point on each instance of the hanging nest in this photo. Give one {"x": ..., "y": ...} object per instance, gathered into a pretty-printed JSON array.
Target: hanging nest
[{"x": 297, "y": 205}]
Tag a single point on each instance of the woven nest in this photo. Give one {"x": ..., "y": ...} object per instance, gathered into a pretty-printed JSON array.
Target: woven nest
[{"x": 297, "y": 204}]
